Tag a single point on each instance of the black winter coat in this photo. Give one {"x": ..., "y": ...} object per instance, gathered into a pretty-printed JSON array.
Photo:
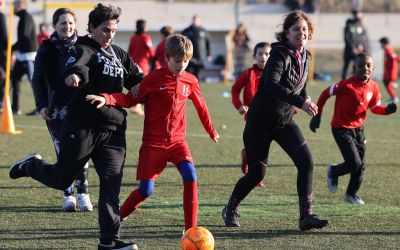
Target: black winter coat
[{"x": 282, "y": 86}]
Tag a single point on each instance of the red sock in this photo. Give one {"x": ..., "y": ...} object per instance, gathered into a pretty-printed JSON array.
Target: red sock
[
  {"x": 190, "y": 204},
  {"x": 131, "y": 203}
]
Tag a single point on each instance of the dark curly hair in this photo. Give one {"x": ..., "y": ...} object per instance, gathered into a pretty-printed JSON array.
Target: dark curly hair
[{"x": 102, "y": 13}]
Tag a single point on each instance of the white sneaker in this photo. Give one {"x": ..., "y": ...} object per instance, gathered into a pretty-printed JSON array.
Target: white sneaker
[
  {"x": 69, "y": 203},
  {"x": 84, "y": 203},
  {"x": 331, "y": 181},
  {"x": 353, "y": 199}
]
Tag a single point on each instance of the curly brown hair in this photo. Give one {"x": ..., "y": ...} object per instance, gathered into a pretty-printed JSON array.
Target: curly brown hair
[{"x": 290, "y": 20}]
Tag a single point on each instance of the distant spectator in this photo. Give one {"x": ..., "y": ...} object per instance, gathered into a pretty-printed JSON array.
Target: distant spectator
[
  {"x": 241, "y": 49},
  {"x": 43, "y": 33},
  {"x": 390, "y": 73},
  {"x": 201, "y": 45},
  {"x": 3, "y": 49},
  {"x": 25, "y": 52},
  {"x": 307, "y": 6},
  {"x": 355, "y": 38},
  {"x": 160, "y": 58}
]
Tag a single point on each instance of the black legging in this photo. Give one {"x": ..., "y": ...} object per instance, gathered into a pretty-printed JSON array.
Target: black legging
[{"x": 257, "y": 142}]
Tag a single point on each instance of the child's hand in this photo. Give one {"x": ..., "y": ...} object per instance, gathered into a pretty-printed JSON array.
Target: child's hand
[
  {"x": 309, "y": 107},
  {"x": 243, "y": 109},
  {"x": 93, "y": 99},
  {"x": 135, "y": 90},
  {"x": 44, "y": 112},
  {"x": 216, "y": 138},
  {"x": 72, "y": 81}
]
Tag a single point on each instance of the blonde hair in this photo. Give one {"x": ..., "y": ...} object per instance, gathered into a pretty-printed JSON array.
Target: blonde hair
[{"x": 178, "y": 46}]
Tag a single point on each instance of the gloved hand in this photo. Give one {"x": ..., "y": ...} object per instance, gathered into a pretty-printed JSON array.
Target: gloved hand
[
  {"x": 315, "y": 122},
  {"x": 391, "y": 108}
]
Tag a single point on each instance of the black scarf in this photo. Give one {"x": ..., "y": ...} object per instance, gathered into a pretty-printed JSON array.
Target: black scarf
[{"x": 65, "y": 44}]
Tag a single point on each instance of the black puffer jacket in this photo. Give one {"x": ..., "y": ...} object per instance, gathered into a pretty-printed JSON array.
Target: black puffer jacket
[
  {"x": 48, "y": 77},
  {"x": 282, "y": 86},
  {"x": 100, "y": 72}
]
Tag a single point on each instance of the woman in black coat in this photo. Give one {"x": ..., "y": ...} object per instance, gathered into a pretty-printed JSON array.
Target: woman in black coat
[
  {"x": 270, "y": 118},
  {"x": 52, "y": 95}
]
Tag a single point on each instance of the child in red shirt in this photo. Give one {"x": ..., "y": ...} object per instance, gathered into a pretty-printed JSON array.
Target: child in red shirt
[
  {"x": 390, "y": 68},
  {"x": 248, "y": 82},
  {"x": 141, "y": 51},
  {"x": 160, "y": 60},
  {"x": 353, "y": 97},
  {"x": 165, "y": 92}
]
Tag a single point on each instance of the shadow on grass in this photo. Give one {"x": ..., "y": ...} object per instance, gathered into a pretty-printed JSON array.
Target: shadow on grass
[
  {"x": 51, "y": 234},
  {"x": 27, "y": 209}
]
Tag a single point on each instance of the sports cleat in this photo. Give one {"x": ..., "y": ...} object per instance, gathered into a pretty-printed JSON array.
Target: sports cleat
[
  {"x": 17, "y": 170},
  {"x": 331, "y": 180},
  {"x": 311, "y": 221},
  {"x": 353, "y": 199},
  {"x": 69, "y": 203},
  {"x": 230, "y": 217},
  {"x": 117, "y": 245},
  {"x": 84, "y": 203},
  {"x": 261, "y": 184}
]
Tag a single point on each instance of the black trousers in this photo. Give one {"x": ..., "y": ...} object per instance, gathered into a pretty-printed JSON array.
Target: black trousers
[
  {"x": 56, "y": 126},
  {"x": 107, "y": 150},
  {"x": 352, "y": 145},
  {"x": 257, "y": 143},
  {"x": 19, "y": 70}
]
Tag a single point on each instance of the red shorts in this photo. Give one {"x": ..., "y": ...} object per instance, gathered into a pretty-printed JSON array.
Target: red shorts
[{"x": 153, "y": 158}]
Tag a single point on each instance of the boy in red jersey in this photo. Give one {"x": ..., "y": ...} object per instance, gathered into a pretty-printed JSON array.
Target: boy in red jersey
[
  {"x": 248, "y": 82},
  {"x": 160, "y": 60},
  {"x": 165, "y": 92},
  {"x": 390, "y": 68},
  {"x": 353, "y": 97}
]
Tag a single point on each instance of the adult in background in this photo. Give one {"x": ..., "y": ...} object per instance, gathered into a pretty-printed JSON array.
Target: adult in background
[
  {"x": 52, "y": 95},
  {"x": 201, "y": 45},
  {"x": 25, "y": 52},
  {"x": 3, "y": 50},
  {"x": 282, "y": 87},
  {"x": 91, "y": 133},
  {"x": 240, "y": 50},
  {"x": 355, "y": 39}
]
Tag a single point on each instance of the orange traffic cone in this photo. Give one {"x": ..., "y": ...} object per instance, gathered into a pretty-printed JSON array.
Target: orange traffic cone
[{"x": 7, "y": 120}]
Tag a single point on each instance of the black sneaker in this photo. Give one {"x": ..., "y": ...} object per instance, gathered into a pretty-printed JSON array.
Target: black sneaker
[
  {"x": 117, "y": 245},
  {"x": 231, "y": 217},
  {"x": 17, "y": 170},
  {"x": 33, "y": 113},
  {"x": 311, "y": 221}
]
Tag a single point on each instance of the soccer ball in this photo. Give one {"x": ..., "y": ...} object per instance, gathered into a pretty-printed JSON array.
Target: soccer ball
[{"x": 197, "y": 238}]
